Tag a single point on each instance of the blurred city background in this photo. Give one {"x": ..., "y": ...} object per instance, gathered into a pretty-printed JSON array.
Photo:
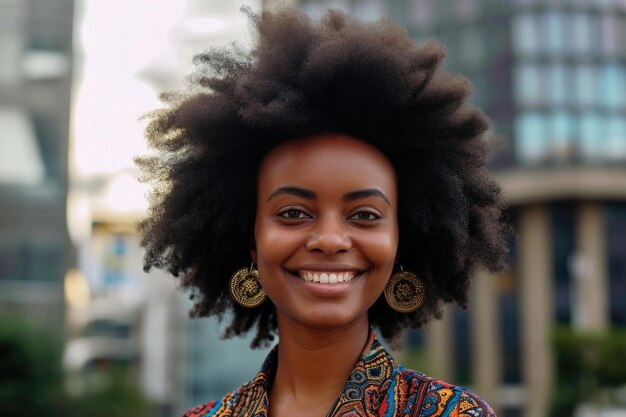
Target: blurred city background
[{"x": 83, "y": 331}]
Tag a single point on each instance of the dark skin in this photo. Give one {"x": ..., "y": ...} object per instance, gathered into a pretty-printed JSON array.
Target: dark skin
[{"x": 326, "y": 237}]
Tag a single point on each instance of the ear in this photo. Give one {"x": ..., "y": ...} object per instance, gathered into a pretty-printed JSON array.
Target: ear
[{"x": 252, "y": 246}]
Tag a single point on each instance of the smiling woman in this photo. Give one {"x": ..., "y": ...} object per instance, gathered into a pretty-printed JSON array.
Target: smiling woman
[
  {"x": 321, "y": 217},
  {"x": 339, "y": 159}
]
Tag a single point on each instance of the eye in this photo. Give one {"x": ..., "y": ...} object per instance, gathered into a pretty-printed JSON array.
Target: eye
[
  {"x": 293, "y": 213},
  {"x": 364, "y": 215}
]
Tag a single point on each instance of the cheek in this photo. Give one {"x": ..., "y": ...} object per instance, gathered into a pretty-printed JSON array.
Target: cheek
[
  {"x": 273, "y": 244},
  {"x": 381, "y": 247}
]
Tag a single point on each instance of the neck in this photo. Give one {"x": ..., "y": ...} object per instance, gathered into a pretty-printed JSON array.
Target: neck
[{"x": 314, "y": 364}]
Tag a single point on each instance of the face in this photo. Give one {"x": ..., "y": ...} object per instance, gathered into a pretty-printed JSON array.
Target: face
[{"x": 326, "y": 230}]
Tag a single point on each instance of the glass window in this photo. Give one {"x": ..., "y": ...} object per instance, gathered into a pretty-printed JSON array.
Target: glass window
[
  {"x": 423, "y": 12},
  {"x": 558, "y": 84},
  {"x": 43, "y": 261},
  {"x": 595, "y": 27},
  {"x": 443, "y": 10},
  {"x": 466, "y": 9},
  {"x": 616, "y": 137},
  {"x": 369, "y": 9},
  {"x": 592, "y": 137},
  {"x": 526, "y": 39},
  {"x": 449, "y": 40},
  {"x": 582, "y": 33},
  {"x": 21, "y": 160},
  {"x": 497, "y": 39},
  {"x": 528, "y": 84},
  {"x": 50, "y": 26},
  {"x": 472, "y": 48},
  {"x": 31, "y": 260},
  {"x": 568, "y": 29},
  {"x": 313, "y": 9},
  {"x": 611, "y": 36},
  {"x": 581, "y": 36},
  {"x": 585, "y": 88},
  {"x": 11, "y": 265},
  {"x": 482, "y": 91},
  {"x": 605, "y": 3},
  {"x": 554, "y": 31},
  {"x": 338, "y": 4},
  {"x": 530, "y": 138},
  {"x": 562, "y": 134},
  {"x": 612, "y": 86}
]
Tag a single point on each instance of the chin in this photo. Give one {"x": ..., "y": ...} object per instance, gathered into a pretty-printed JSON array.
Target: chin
[{"x": 329, "y": 319}]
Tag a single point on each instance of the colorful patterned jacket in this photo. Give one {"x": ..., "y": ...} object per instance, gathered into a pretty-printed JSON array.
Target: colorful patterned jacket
[{"x": 377, "y": 387}]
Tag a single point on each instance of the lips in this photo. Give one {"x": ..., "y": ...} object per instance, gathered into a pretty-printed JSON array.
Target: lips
[{"x": 327, "y": 277}]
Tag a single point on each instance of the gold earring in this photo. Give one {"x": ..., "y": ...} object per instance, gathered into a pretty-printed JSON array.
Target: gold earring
[
  {"x": 405, "y": 292},
  {"x": 245, "y": 287}
]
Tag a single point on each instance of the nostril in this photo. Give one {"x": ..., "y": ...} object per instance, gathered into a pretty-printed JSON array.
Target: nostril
[{"x": 329, "y": 244}]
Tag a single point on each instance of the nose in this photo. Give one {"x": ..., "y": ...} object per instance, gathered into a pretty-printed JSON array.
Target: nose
[{"x": 329, "y": 237}]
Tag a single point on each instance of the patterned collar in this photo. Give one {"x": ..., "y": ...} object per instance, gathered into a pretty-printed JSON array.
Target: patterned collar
[
  {"x": 364, "y": 390},
  {"x": 376, "y": 388}
]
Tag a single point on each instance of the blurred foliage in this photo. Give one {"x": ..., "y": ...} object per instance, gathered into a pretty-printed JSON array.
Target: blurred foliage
[
  {"x": 590, "y": 367},
  {"x": 119, "y": 398},
  {"x": 32, "y": 381},
  {"x": 30, "y": 369}
]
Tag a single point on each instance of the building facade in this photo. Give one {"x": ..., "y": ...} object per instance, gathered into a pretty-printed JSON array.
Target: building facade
[{"x": 35, "y": 92}]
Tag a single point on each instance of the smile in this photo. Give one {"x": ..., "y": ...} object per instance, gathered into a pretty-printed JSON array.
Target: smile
[{"x": 327, "y": 277}]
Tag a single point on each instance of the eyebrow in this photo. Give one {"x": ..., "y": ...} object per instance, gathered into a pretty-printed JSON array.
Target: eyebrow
[
  {"x": 367, "y": 192},
  {"x": 297, "y": 191},
  {"x": 310, "y": 195}
]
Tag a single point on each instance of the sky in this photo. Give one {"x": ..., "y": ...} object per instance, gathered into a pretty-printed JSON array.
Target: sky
[{"x": 126, "y": 53}]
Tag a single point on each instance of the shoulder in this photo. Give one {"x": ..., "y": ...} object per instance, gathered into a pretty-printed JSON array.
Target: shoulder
[
  {"x": 202, "y": 410},
  {"x": 436, "y": 398},
  {"x": 250, "y": 397},
  {"x": 215, "y": 408}
]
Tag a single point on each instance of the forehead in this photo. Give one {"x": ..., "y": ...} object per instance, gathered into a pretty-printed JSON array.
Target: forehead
[{"x": 334, "y": 161}]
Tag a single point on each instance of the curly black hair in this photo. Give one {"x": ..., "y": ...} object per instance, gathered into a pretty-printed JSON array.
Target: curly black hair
[{"x": 306, "y": 77}]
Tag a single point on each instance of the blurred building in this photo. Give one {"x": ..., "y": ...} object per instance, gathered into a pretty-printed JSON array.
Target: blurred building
[
  {"x": 118, "y": 316},
  {"x": 35, "y": 80},
  {"x": 207, "y": 366},
  {"x": 552, "y": 76}
]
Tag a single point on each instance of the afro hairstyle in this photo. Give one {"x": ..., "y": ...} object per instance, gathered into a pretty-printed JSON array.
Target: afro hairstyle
[{"x": 305, "y": 77}]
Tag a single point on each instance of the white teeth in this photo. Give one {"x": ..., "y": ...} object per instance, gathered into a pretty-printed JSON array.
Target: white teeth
[{"x": 327, "y": 277}]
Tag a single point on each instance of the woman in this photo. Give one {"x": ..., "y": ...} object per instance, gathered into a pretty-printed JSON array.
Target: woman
[{"x": 329, "y": 182}]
